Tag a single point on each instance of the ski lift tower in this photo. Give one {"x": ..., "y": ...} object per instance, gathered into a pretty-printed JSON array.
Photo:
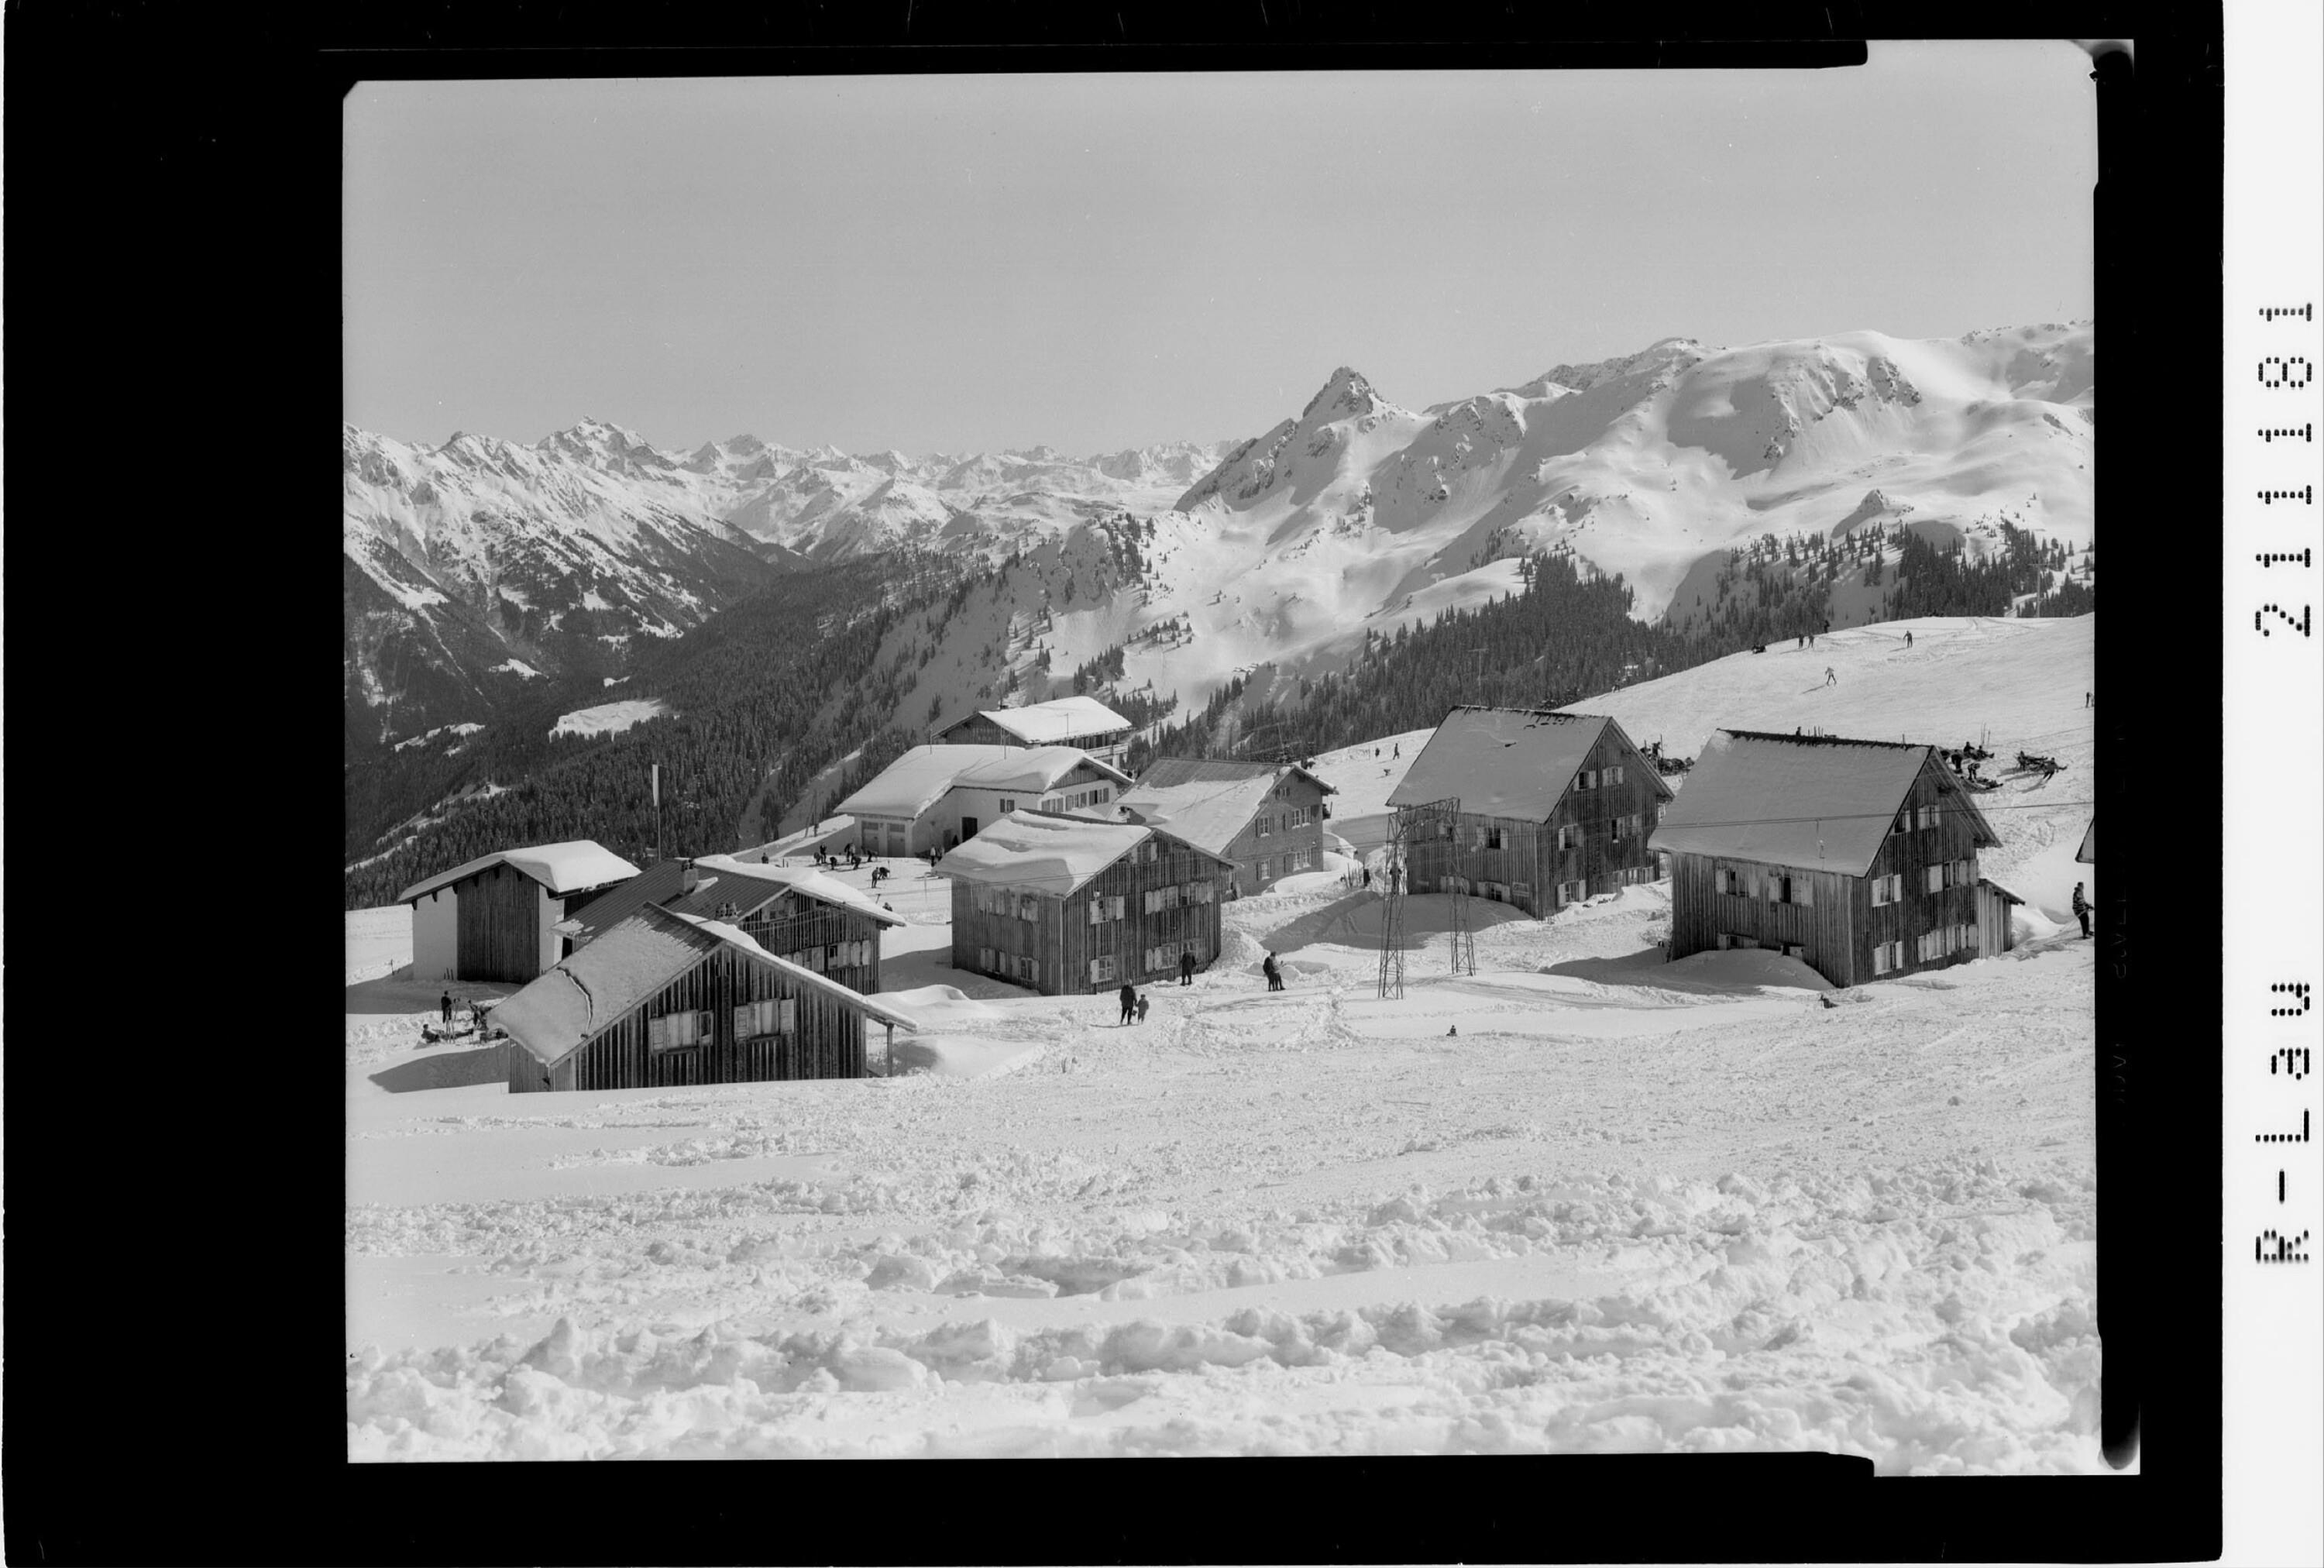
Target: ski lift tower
[{"x": 1437, "y": 823}]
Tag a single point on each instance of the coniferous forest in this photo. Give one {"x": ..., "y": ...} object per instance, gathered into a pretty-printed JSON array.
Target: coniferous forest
[{"x": 775, "y": 690}]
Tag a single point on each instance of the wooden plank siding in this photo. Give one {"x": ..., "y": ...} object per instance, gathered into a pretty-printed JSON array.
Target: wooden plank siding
[
  {"x": 1822, "y": 930},
  {"x": 816, "y": 936},
  {"x": 827, "y": 1040},
  {"x": 1062, "y": 940},
  {"x": 500, "y": 924},
  {"x": 1838, "y": 932},
  {"x": 1508, "y": 852},
  {"x": 1250, "y": 845}
]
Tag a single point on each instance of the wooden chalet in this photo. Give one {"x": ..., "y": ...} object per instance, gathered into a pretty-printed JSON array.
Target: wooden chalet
[
  {"x": 495, "y": 917},
  {"x": 1069, "y": 905},
  {"x": 935, "y": 796},
  {"x": 658, "y": 1000},
  {"x": 1267, "y": 820},
  {"x": 800, "y": 914},
  {"x": 1083, "y": 723},
  {"x": 1857, "y": 857},
  {"x": 1555, "y": 807}
]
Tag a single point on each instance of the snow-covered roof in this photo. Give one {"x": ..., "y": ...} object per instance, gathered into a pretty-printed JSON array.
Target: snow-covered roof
[
  {"x": 720, "y": 879},
  {"x": 1205, "y": 800},
  {"x": 1043, "y": 723},
  {"x": 2004, "y": 889},
  {"x": 919, "y": 779},
  {"x": 1049, "y": 854},
  {"x": 805, "y": 881},
  {"x": 1820, "y": 802},
  {"x": 2088, "y": 853},
  {"x": 1034, "y": 768},
  {"x": 1514, "y": 762},
  {"x": 589, "y": 989},
  {"x": 561, "y": 868}
]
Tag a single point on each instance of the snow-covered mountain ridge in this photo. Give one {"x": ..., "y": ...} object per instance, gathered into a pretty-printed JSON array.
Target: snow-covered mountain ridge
[{"x": 1358, "y": 514}]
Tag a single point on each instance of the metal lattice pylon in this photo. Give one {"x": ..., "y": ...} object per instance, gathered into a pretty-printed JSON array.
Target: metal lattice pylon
[{"x": 1437, "y": 823}]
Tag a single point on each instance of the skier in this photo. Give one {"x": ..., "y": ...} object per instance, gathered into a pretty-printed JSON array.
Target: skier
[
  {"x": 448, "y": 1009},
  {"x": 1141, "y": 1010},
  {"x": 1828, "y": 677},
  {"x": 1399, "y": 748},
  {"x": 1129, "y": 1001},
  {"x": 1186, "y": 967},
  {"x": 1908, "y": 640},
  {"x": 2081, "y": 910}
]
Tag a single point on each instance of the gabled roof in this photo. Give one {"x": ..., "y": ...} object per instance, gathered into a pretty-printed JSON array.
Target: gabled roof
[
  {"x": 1514, "y": 762},
  {"x": 919, "y": 779},
  {"x": 1205, "y": 800},
  {"x": 720, "y": 880},
  {"x": 561, "y": 868},
  {"x": 1042, "y": 723},
  {"x": 564, "y": 1007},
  {"x": 803, "y": 881},
  {"x": 1820, "y": 802},
  {"x": 2088, "y": 853},
  {"x": 1048, "y": 854},
  {"x": 1033, "y": 769}
]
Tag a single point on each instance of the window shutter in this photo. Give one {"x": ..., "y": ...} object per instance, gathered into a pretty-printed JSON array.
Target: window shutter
[
  {"x": 1119, "y": 906},
  {"x": 1096, "y": 908},
  {"x": 745, "y": 1017},
  {"x": 658, "y": 1034}
]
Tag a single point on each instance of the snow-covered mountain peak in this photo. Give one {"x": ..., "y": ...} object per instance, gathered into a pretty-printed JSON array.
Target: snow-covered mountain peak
[{"x": 1345, "y": 394}]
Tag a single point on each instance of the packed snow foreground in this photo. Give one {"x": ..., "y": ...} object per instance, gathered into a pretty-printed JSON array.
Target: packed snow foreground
[{"x": 1629, "y": 1205}]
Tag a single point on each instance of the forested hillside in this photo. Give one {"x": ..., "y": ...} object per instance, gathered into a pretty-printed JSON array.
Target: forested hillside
[{"x": 768, "y": 693}]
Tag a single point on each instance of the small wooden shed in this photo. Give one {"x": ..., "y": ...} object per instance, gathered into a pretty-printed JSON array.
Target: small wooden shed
[
  {"x": 661, "y": 1000},
  {"x": 495, "y": 917},
  {"x": 1268, "y": 820},
  {"x": 1069, "y": 906},
  {"x": 1994, "y": 904}
]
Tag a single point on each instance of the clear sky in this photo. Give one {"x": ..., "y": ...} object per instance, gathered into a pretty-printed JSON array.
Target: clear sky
[{"x": 971, "y": 263}]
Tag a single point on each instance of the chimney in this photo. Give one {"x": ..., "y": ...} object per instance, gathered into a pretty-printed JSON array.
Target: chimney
[{"x": 687, "y": 883}]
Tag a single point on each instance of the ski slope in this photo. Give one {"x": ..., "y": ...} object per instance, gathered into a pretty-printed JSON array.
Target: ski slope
[{"x": 1582, "y": 1200}]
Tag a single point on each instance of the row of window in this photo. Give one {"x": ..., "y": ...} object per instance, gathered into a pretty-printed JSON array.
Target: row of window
[
  {"x": 1296, "y": 860},
  {"x": 1777, "y": 887},
  {"x": 829, "y": 956},
  {"x": 1598, "y": 778},
  {"x": 1936, "y": 879},
  {"x": 1010, "y": 965},
  {"x": 1267, "y": 823},
  {"x": 1163, "y": 960},
  {"x": 1574, "y": 835},
  {"x": 1930, "y": 946},
  {"x": 678, "y": 1031},
  {"x": 1916, "y": 818}
]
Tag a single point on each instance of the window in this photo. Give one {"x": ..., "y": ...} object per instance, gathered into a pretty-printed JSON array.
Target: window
[
  {"x": 1264, "y": 823},
  {"x": 1007, "y": 806},
  {"x": 1570, "y": 836},
  {"x": 1903, "y": 822},
  {"x": 1160, "y": 899},
  {"x": 771, "y": 1017},
  {"x": 1571, "y": 892},
  {"x": 1101, "y": 793},
  {"x": 1116, "y": 907},
  {"x": 1102, "y": 969},
  {"x": 1887, "y": 956},
  {"x": 1097, "y": 909},
  {"x": 1610, "y": 776},
  {"x": 1794, "y": 950},
  {"x": 1585, "y": 779},
  {"x": 1029, "y": 908},
  {"x": 677, "y": 1031},
  {"x": 984, "y": 959},
  {"x": 1964, "y": 872},
  {"x": 1887, "y": 889},
  {"x": 1299, "y": 817},
  {"x": 1198, "y": 893},
  {"x": 1496, "y": 838},
  {"x": 1266, "y": 869},
  {"x": 1301, "y": 859}
]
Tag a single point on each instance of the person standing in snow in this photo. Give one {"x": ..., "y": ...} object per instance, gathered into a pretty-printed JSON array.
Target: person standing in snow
[
  {"x": 1141, "y": 1010},
  {"x": 448, "y": 1008},
  {"x": 2081, "y": 910},
  {"x": 1186, "y": 967},
  {"x": 1274, "y": 977},
  {"x": 1129, "y": 1001},
  {"x": 1828, "y": 677},
  {"x": 1908, "y": 640},
  {"x": 1399, "y": 748}
]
